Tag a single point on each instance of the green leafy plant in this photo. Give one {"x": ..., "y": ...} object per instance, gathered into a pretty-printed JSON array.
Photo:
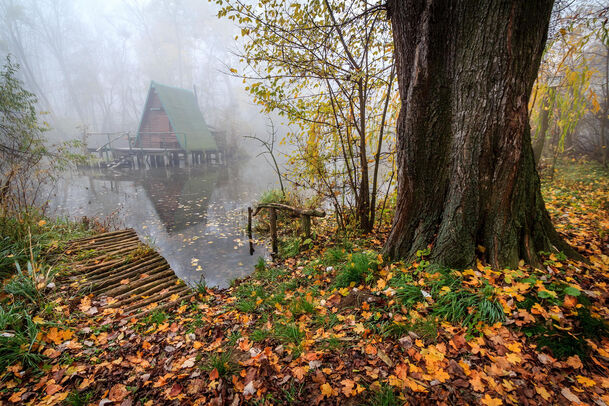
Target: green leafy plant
[
  {"x": 18, "y": 337},
  {"x": 223, "y": 363},
  {"x": 356, "y": 270},
  {"x": 289, "y": 333},
  {"x": 460, "y": 305}
]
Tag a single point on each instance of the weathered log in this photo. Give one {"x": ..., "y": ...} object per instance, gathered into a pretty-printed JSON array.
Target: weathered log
[
  {"x": 164, "y": 306},
  {"x": 118, "y": 289},
  {"x": 150, "y": 289},
  {"x": 84, "y": 270},
  {"x": 158, "y": 298},
  {"x": 132, "y": 241},
  {"x": 107, "y": 284},
  {"x": 93, "y": 276},
  {"x": 101, "y": 237}
]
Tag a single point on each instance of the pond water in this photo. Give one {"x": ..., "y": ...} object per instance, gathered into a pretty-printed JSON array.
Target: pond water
[{"x": 196, "y": 216}]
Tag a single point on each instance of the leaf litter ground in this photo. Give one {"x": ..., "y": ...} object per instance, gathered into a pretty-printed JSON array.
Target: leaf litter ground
[{"x": 335, "y": 324}]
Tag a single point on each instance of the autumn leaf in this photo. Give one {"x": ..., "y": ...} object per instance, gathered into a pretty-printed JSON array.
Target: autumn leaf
[
  {"x": 299, "y": 372},
  {"x": 85, "y": 304},
  {"x": 245, "y": 345},
  {"x": 348, "y": 385},
  {"x": 59, "y": 336},
  {"x": 569, "y": 395},
  {"x": 513, "y": 358},
  {"x": 16, "y": 396},
  {"x": 574, "y": 362},
  {"x": 476, "y": 382},
  {"x": 52, "y": 388},
  {"x": 175, "y": 390},
  {"x": 326, "y": 390},
  {"x": 162, "y": 381},
  {"x": 542, "y": 392},
  {"x": 370, "y": 349},
  {"x": 189, "y": 363},
  {"x": 118, "y": 392},
  {"x": 587, "y": 382},
  {"x": 441, "y": 375},
  {"x": 489, "y": 401}
]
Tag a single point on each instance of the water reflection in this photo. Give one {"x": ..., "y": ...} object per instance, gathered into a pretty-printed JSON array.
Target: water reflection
[{"x": 196, "y": 216}]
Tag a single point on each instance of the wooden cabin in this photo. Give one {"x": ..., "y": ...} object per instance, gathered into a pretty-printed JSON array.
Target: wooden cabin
[{"x": 171, "y": 120}]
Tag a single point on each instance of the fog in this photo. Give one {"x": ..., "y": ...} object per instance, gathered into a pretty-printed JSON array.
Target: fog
[{"x": 91, "y": 62}]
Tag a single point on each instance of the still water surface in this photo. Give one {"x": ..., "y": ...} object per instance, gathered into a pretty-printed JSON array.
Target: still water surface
[{"x": 195, "y": 217}]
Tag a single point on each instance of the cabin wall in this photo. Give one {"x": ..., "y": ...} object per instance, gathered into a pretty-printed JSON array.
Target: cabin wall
[{"x": 155, "y": 130}]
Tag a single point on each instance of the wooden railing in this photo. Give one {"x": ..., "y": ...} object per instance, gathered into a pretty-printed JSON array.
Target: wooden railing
[{"x": 304, "y": 214}]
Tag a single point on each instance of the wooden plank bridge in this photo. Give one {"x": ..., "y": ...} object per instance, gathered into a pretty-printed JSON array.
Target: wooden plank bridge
[{"x": 121, "y": 272}]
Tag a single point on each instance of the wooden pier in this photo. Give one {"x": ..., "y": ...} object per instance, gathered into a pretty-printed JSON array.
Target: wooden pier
[
  {"x": 116, "y": 270},
  {"x": 112, "y": 155}
]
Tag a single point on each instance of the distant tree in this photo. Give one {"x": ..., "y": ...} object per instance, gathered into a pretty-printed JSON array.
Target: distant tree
[
  {"x": 327, "y": 67},
  {"x": 26, "y": 164},
  {"x": 569, "y": 87},
  {"x": 467, "y": 180}
]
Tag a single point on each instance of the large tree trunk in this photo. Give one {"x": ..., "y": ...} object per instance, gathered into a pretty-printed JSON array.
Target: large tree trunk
[{"x": 467, "y": 175}]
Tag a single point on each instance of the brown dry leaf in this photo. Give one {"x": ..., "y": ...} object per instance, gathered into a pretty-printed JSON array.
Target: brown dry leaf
[
  {"x": 245, "y": 345},
  {"x": 176, "y": 389},
  {"x": 326, "y": 390},
  {"x": 383, "y": 356},
  {"x": 16, "y": 396},
  {"x": 543, "y": 392},
  {"x": 370, "y": 349},
  {"x": 574, "y": 362},
  {"x": 52, "y": 388},
  {"x": 476, "y": 382},
  {"x": 569, "y": 395},
  {"x": 348, "y": 385},
  {"x": 570, "y": 301},
  {"x": 162, "y": 381},
  {"x": 118, "y": 392},
  {"x": 85, "y": 304},
  {"x": 299, "y": 372}
]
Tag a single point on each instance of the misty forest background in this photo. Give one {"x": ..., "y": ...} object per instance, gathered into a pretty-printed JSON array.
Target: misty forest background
[
  {"x": 90, "y": 63},
  {"x": 448, "y": 243}
]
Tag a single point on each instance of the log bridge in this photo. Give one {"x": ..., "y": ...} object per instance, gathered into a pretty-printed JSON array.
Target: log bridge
[
  {"x": 121, "y": 272},
  {"x": 304, "y": 214}
]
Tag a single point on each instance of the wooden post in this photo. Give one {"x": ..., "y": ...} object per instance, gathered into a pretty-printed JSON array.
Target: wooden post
[
  {"x": 273, "y": 216},
  {"x": 306, "y": 225},
  {"x": 249, "y": 223},
  {"x": 249, "y": 230}
]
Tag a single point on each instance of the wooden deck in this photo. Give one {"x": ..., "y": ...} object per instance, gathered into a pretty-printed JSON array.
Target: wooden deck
[{"x": 118, "y": 271}]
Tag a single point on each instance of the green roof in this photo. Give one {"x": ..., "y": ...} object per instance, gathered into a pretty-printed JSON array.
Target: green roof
[{"x": 186, "y": 119}]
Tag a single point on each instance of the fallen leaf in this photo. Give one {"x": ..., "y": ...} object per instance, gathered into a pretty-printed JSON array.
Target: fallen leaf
[
  {"x": 118, "y": 392},
  {"x": 569, "y": 395},
  {"x": 490, "y": 401}
]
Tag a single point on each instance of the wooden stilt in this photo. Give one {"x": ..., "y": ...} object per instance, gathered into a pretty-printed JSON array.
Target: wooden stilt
[{"x": 273, "y": 221}]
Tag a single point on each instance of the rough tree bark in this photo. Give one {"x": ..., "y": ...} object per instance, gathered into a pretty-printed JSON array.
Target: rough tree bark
[{"x": 467, "y": 176}]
